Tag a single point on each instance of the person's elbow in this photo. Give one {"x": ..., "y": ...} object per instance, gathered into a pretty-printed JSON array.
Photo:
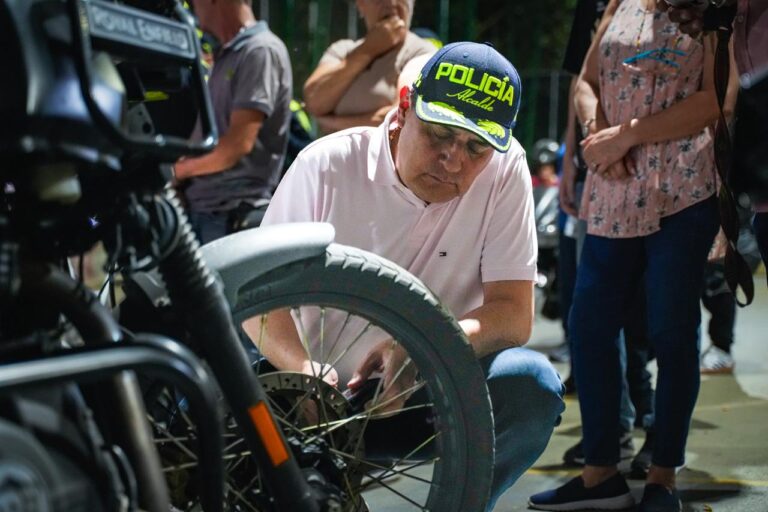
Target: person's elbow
[
  {"x": 242, "y": 148},
  {"x": 522, "y": 330},
  {"x": 518, "y": 327},
  {"x": 313, "y": 100}
]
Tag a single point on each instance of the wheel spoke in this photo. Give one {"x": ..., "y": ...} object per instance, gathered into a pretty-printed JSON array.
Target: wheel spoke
[
  {"x": 338, "y": 336},
  {"x": 304, "y": 338},
  {"x": 367, "y": 414},
  {"x": 382, "y": 415},
  {"x": 373, "y": 465},
  {"x": 262, "y": 335},
  {"x": 403, "y": 496},
  {"x": 406, "y": 457},
  {"x": 354, "y": 342}
]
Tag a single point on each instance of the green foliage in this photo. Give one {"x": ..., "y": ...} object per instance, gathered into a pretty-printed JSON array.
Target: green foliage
[{"x": 532, "y": 34}]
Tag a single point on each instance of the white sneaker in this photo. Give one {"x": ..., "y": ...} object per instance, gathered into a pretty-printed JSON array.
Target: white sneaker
[{"x": 715, "y": 360}]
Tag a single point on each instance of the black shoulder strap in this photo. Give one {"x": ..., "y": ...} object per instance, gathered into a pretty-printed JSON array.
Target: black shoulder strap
[{"x": 737, "y": 271}]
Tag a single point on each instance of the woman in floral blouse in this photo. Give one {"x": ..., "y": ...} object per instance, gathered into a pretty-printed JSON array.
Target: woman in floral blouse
[{"x": 646, "y": 99}]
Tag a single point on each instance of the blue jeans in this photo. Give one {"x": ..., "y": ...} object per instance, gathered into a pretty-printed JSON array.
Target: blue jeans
[
  {"x": 527, "y": 399},
  {"x": 208, "y": 226},
  {"x": 627, "y": 411},
  {"x": 671, "y": 261}
]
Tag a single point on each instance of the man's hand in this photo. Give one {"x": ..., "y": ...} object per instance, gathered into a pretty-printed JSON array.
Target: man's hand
[
  {"x": 398, "y": 376},
  {"x": 384, "y": 35},
  {"x": 325, "y": 372},
  {"x": 606, "y": 147}
]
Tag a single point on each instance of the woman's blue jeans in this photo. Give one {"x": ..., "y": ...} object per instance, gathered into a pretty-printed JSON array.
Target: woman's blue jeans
[{"x": 671, "y": 261}]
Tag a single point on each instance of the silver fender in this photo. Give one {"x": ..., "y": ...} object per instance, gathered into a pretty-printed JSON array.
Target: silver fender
[{"x": 242, "y": 256}]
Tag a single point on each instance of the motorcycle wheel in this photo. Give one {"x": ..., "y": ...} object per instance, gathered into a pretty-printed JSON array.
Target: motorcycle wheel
[{"x": 435, "y": 452}]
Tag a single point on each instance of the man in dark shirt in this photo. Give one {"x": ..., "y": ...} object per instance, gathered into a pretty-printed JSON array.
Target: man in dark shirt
[{"x": 251, "y": 88}]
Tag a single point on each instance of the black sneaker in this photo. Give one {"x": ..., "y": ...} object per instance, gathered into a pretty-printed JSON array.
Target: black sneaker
[
  {"x": 570, "y": 385},
  {"x": 638, "y": 468},
  {"x": 657, "y": 498},
  {"x": 613, "y": 494},
  {"x": 574, "y": 456}
]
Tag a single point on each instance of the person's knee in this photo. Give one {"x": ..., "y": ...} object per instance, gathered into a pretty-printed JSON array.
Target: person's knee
[
  {"x": 674, "y": 340},
  {"x": 526, "y": 391}
]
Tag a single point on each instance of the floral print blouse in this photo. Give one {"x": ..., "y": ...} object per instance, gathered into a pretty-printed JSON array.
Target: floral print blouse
[{"x": 645, "y": 65}]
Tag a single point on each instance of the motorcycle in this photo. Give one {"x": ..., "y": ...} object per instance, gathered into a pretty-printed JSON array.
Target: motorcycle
[{"x": 99, "y": 412}]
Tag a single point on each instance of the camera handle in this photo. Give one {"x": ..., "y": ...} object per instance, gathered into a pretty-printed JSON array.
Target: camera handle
[{"x": 130, "y": 32}]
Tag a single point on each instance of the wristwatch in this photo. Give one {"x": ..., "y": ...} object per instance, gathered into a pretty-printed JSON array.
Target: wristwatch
[{"x": 585, "y": 126}]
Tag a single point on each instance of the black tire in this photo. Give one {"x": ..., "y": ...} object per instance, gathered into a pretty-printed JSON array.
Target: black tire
[{"x": 384, "y": 294}]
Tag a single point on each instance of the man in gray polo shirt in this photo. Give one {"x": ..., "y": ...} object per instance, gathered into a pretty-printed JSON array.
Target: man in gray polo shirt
[{"x": 251, "y": 88}]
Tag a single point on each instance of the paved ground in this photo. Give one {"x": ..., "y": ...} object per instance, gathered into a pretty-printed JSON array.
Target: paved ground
[{"x": 727, "y": 457}]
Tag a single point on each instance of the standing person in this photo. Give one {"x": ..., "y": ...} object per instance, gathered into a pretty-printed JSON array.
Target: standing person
[
  {"x": 636, "y": 389},
  {"x": 646, "y": 95},
  {"x": 721, "y": 305},
  {"x": 356, "y": 82},
  {"x": 443, "y": 189},
  {"x": 251, "y": 89},
  {"x": 586, "y": 19}
]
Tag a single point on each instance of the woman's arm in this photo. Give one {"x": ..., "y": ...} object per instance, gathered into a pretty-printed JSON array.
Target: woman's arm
[
  {"x": 331, "y": 123},
  {"x": 329, "y": 82},
  {"x": 568, "y": 176},
  {"x": 686, "y": 117},
  {"x": 691, "y": 115},
  {"x": 586, "y": 93}
]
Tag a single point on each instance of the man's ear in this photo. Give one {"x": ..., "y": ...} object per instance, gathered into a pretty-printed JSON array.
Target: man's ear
[{"x": 403, "y": 105}]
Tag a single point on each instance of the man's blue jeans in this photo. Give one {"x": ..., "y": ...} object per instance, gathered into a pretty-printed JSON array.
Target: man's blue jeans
[
  {"x": 526, "y": 395},
  {"x": 208, "y": 226},
  {"x": 671, "y": 261}
]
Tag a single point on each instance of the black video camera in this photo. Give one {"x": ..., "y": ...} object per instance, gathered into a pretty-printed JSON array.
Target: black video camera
[{"x": 99, "y": 80}]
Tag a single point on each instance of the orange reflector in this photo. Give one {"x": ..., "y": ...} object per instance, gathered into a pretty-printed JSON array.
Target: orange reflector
[{"x": 267, "y": 429}]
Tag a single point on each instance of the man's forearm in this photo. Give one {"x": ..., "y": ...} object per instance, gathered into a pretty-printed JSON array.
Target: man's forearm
[
  {"x": 498, "y": 325},
  {"x": 214, "y": 162},
  {"x": 226, "y": 154},
  {"x": 276, "y": 338}
]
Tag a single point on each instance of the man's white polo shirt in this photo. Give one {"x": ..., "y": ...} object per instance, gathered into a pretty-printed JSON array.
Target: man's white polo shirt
[{"x": 349, "y": 180}]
